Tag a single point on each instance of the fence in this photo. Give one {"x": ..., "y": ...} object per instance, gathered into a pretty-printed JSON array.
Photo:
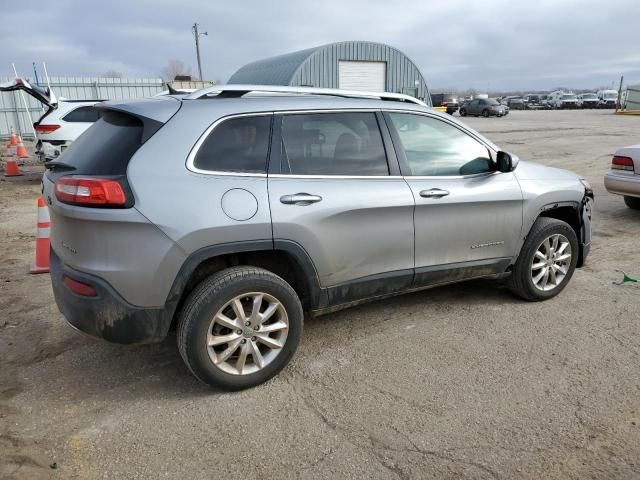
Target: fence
[{"x": 14, "y": 114}]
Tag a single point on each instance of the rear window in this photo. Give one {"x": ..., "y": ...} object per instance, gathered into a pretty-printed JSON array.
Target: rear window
[
  {"x": 237, "y": 145},
  {"x": 88, "y": 114},
  {"x": 106, "y": 147}
]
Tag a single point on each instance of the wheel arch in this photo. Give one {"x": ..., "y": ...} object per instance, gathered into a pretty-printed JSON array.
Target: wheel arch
[
  {"x": 285, "y": 258},
  {"x": 570, "y": 213}
]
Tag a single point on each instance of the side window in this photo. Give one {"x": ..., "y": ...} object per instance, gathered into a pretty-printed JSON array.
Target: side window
[
  {"x": 435, "y": 148},
  {"x": 333, "y": 144},
  {"x": 83, "y": 114},
  {"x": 236, "y": 145},
  {"x": 482, "y": 102}
]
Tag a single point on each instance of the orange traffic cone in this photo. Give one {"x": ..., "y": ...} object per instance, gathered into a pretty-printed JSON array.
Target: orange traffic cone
[
  {"x": 21, "y": 152},
  {"x": 11, "y": 169},
  {"x": 43, "y": 243},
  {"x": 13, "y": 141}
]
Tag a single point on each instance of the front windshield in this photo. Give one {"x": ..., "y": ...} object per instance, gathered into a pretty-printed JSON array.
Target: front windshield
[
  {"x": 590, "y": 96},
  {"x": 569, "y": 97},
  {"x": 611, "y": 95},
  {"x": 493, "y": 101}
]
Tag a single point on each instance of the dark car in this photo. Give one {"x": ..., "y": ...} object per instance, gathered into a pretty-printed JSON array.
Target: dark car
[
  {"x": 486, "y": 107},
  {"x": 450, "y": 102}
]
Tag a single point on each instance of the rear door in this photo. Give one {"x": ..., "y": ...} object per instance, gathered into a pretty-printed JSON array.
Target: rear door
[
  {"x": 334, "y": 191},
  {"x": 468, "y": 217}
]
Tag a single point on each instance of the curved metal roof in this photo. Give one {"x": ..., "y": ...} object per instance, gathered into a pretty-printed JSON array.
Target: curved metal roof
[
  {"x": 318, "y": 67},
  {"x": 278, "y": 70}
]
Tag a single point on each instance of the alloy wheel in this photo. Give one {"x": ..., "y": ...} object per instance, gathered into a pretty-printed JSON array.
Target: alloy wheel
[
  {"x": 551, "y": 262},
  {"x": 247, "y": 333}
]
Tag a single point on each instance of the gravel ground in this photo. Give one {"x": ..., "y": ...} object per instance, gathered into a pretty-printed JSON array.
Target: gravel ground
[{"x": 464, "y": 381}]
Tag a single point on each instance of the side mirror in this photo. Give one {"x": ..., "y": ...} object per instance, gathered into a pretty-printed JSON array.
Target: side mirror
[{"x": 506, "y": 162}]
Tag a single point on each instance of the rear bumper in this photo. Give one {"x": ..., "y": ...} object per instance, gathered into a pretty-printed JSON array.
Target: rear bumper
[
  {"x": 107, "y": 315},
  {"x": 622, "y": 184}
]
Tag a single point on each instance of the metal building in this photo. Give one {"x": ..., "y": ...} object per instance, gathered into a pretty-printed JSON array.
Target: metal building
[{"x": 354, "y": 65}]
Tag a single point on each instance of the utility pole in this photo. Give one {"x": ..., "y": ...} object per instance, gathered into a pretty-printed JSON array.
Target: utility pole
[
  {"x": 618, "y": 102},
  {"x": 197, "y": 34}
]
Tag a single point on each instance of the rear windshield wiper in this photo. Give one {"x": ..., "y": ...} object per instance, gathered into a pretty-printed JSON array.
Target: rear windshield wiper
[{"x": 58, "y": 165}]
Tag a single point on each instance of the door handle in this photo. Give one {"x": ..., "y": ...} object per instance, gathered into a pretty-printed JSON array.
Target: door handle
[
  {"x": 434, "y": 193},
  {"x": 300, "y": 199}
]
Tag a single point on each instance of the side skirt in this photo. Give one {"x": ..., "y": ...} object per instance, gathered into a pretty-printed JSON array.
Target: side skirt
[{"x": 390, "y": 285}]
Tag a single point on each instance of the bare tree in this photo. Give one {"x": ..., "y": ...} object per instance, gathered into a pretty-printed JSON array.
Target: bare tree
[
  {"x": 112, "y": 74},
  {"x": 173, "y": 68}
]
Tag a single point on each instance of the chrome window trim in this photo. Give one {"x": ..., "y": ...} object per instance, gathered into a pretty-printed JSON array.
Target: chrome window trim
[
  {"x": 451, "y": 177},
  {"x": 338, "y": 177},
  {"x": 194, "y": 150}
]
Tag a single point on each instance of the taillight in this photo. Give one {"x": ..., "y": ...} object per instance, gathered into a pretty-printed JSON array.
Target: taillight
[
  {"x": 622, "y": 163},
  {"x": 90, "y": 191},
  {"x": 47, "y": 128},
  {"x": 79, "y": 288}
]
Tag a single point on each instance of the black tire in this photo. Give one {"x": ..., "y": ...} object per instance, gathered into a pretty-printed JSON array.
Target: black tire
[
  {"x": 485, "y": 113},
  {"x": 211, "y": 295},
  {"x": 463, "y": 112},
  {"x": 520, "y": 281},
  {"x": 632, "y": 202}
]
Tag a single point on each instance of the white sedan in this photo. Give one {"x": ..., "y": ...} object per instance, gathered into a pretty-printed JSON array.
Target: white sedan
[{"x": 624, "y": 176}]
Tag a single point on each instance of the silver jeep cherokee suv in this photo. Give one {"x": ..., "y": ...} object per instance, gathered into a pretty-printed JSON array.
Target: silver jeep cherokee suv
[{"x": 231, "y": 211}]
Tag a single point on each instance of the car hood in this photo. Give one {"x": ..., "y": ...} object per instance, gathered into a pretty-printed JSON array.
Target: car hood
[{"x": 535, "y": 171}]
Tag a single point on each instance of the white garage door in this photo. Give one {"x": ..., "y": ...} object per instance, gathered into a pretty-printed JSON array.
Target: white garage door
[{"x": 367, "y": 76}]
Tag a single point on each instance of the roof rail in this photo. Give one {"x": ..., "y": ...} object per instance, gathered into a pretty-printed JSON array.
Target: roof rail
[{"x": 235, "y": 91}]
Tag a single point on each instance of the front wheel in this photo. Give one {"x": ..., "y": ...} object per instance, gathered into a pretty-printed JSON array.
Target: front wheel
[
  {"x": 632, "y": 202},
  {"x": 546, "y": 262},
  {"x": 485, "y": 113},
  {"x": 239, "y": 327},
  {"x": 463, "y": 112}
]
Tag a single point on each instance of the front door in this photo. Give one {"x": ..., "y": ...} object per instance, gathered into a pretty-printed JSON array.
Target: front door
[
  {"x": 468, "y": 217},
  {"x": 338, "y": 197}
]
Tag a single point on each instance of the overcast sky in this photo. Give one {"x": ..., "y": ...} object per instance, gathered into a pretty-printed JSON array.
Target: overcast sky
[{"x": 490, "y": 45}]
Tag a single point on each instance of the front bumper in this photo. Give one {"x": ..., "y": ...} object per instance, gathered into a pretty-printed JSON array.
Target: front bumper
[
  {"x": 621, "y": 184},
  {"x": 585, "y": 226},
  {"x": 107, "y": 315}
]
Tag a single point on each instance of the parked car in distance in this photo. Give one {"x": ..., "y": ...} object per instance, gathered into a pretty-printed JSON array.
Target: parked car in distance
[
  {"x": 607, "y": 98},
  {"x": 487, "y": 107},
  {"x": 504, "y": 103},
  {"x": 60, "y": 126},
  {"x": 588, "y": 100},
  {"x": 449, "y": 101},
  {"x": 365, "y": 197},
  {"x": 63, "y": 121},
  {"x": 566, "y": 100},
  {"x": 533, "y": 101},
  {"x": 516, "y": 103},
  {"x": 624, "y": 176}
]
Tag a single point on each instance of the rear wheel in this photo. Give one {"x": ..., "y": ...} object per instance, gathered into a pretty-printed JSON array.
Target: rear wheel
[
  {"x": 463, "y": 112},
  {"x": 239, "y": 327},
  {"x": 632, "y": 202},
  {"x": 546, "y": 262}
]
